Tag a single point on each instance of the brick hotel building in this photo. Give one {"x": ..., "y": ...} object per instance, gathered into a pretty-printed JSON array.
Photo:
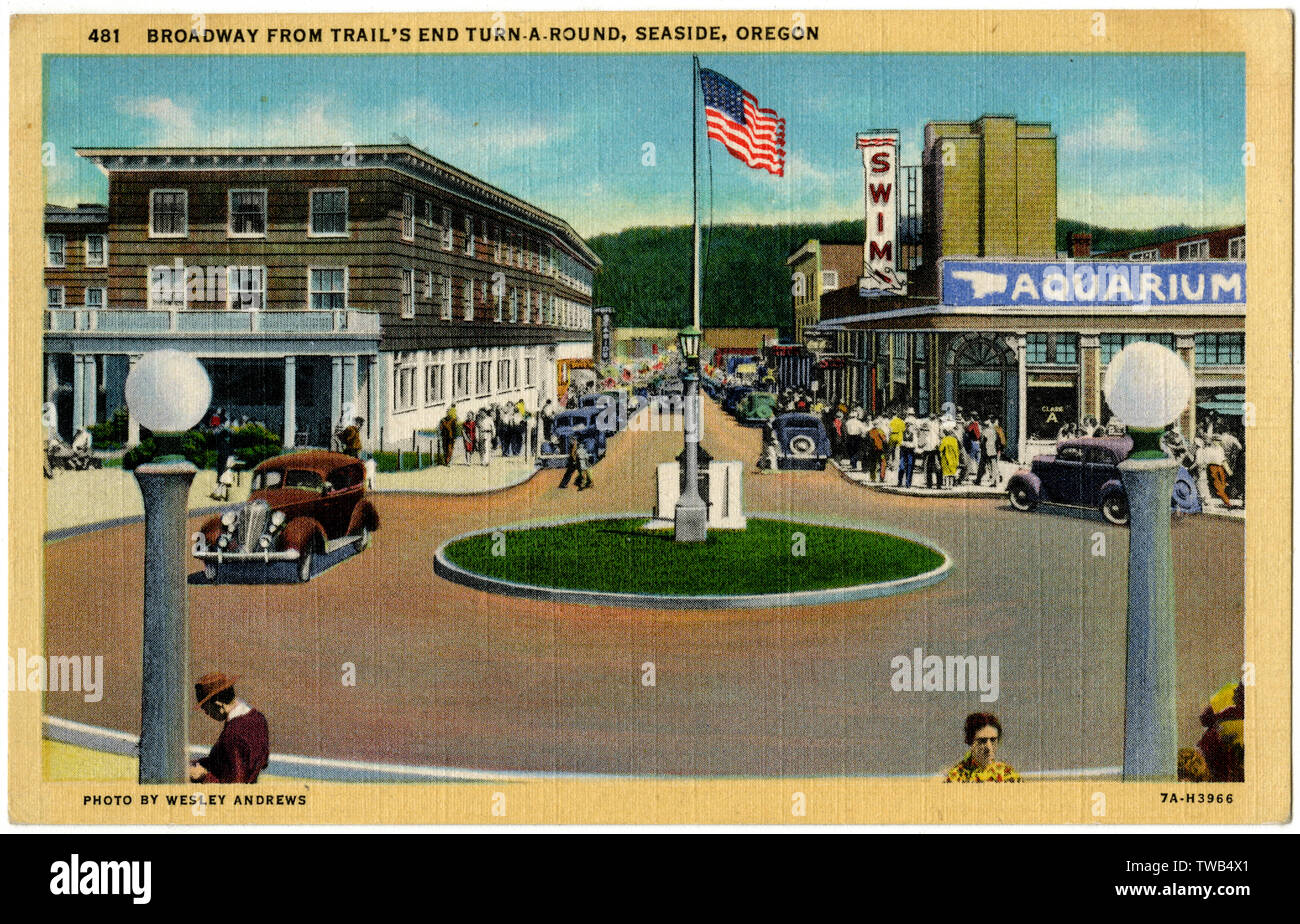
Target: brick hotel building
[{"x": 310, "y": 281}]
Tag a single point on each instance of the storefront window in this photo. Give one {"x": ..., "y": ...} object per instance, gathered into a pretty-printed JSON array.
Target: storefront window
[
  {"x": 1111, "y": 344},
  {"x": 1220, "y": 349}
]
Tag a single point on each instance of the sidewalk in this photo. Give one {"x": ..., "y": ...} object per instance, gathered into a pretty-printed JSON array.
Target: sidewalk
[
  {"x": 459, "y": 478},
  {"x": 75, "y": 499},
  {"x": 918, "y": 489}
]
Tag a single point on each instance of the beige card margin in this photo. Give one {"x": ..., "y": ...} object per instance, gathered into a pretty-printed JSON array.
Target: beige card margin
[{"x": 1266, "y": 38}]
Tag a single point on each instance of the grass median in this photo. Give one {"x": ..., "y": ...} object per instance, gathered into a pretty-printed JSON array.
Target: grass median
[{"x": 620, "y": 556}]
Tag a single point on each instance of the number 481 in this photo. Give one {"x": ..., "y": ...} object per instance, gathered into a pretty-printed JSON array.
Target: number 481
[{"x": 103, "y": 35}]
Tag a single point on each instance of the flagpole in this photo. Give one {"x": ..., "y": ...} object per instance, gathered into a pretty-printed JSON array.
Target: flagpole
[
  {"x": 691, "y": 515},
  {"x": 695, "y": 193}
]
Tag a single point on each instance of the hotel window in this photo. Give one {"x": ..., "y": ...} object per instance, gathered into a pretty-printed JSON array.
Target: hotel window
[
  {"x": 408, "y": 217},
  {"x": 503, "y": 375},
  {"x": 519, "y": 250},
  {"x": 246, "y": 288},
  {"x": 168, "y": 213},
  {"x": 514, "y": 305},
  {"x": 459, "y": 380},
  {"x": 435, "y": 383},
  {"x": 1036, "y": 348},
  {"x": 428, "y": 285},
  {"x": 1194, "y": 250},
  {"x": 510, "y": 247},
  {"x": 528, "y": 304},
  {"x": 329, "y": 212},
  {"x": 328, "y": 289},
  {"x": 56, "y": 250},
  {"x": 408, "y": 293},
  {"x": 1144, "y": 256},
  {"x": 166, "y": 287},
  {"x": 54, "y": 297},
  {"x": 499, "y": 292},
  {"x": 96, "y": 250},
  {"x": 446, "y": 298},
  {"x": 496, "y": 243},
  {"x": 530, "y": 370},
  {"x": 469, "y": 235},
  {"x": 483, "y": 231},
  {"x": 483, "y": 378},
  {"x": 247, "y": 210},
  {"x": 428, "y": 213},
  {"x": 1237, "y": 248},
  {"x": 469, "y": 299},
  {"x": 446, "y": 229},
  {"x": 830, "y": 280},
  {"x": 404, "y": 388},
  {"x": 1220, "y": 349},
  {"x": 95, "y": 297}
]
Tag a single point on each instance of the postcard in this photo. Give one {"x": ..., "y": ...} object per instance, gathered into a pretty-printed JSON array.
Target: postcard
[{"x": 650, "y": 418}]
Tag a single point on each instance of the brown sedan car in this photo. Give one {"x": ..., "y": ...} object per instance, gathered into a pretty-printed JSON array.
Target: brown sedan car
[{"x": 303, "y": 505}]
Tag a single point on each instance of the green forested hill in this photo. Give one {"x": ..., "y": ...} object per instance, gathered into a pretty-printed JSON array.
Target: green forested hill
[{"x": 646, "y": 276}]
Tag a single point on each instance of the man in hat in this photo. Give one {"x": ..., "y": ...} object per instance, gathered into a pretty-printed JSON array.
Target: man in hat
[
  {"x": 244, "y": 746},
  {"x": 350, "y": 437}
]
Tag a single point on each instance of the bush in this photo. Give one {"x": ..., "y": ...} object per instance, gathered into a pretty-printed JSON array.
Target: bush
[
  {"x": 195, "y": 446},
  {"x": 112, "y": 432},
  {"x": 254, "y": 444}
]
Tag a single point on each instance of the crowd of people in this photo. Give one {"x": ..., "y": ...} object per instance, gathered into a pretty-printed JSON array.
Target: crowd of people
[
  {"x": 509, "y": 429},
  {"x": 947, "y": 450}
]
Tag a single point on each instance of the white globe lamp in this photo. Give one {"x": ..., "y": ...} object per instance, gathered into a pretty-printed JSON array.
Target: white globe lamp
[
  {"x": 168, "y": 391},
  {"x": 1148, "y": 386}
]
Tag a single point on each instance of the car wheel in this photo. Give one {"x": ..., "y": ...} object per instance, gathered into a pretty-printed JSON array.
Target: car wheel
[
  {"x": 1115, "y": 508},
  {"x": 305, "y": 563},
  {"x": 363, "y": 541},
  {"x": 802, "y": 445},
  {"x": 1021, "y": 497},
  {"x": 210, "y": 570}
]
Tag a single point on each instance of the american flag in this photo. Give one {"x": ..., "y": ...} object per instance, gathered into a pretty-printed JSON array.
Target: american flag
[{"x": 755, "y": 136}]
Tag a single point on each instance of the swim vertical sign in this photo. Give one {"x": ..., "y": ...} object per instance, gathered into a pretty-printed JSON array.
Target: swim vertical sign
[{"x": 880, "y": 275}]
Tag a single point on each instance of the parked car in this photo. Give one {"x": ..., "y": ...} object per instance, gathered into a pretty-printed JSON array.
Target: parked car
[
  {"x": 1085, "y": 473},
  {"x": 301, "y": 506},
  {"x": 577, "y": 422},
  {"x": 801, "y": 441},
  {"x": 731, "y": 396},
  {"x": 756, "y": 407},
  {"x": 611, "y": 412}
]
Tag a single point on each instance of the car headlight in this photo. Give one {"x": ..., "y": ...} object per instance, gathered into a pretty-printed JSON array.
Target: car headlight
[
  {"x": 228, "y": 519},
  {"x": 277, "y": 519},
  {"x": 264, "y": 542},
  {"x": 223, "y": 542}
]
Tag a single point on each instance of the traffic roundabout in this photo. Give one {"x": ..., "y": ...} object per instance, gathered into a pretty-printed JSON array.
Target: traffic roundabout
[{"x": 623, "y": 560}]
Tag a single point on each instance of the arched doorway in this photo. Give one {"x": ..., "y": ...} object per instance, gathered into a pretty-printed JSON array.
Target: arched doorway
[{"x": 981, "y": 375}]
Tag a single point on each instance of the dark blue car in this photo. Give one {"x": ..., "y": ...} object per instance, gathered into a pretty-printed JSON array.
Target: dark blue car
[
  {"x": 801, "y": 441},
  {"x": 731, "y": 396},
  {"x": 1085, "y": 473},
  {"x": 581, "y": 423}
]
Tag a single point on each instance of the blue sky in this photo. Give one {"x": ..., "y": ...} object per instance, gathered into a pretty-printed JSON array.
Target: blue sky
[{"x": 1143, "y": 140}]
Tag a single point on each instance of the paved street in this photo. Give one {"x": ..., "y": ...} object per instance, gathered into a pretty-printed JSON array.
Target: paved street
[{"x": 455, "y": 677}]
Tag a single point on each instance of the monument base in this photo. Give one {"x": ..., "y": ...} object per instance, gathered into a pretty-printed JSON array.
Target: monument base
[{"x": 725, "y": 509}]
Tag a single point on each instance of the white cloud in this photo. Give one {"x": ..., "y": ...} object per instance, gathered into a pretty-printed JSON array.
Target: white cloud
[
  {"x": 173, "y": 121},
  {"x": 1119, "y": 130}
]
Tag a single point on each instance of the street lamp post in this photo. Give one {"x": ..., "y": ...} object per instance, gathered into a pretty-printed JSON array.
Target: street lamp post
[
  {"x": 168, "y": 392},
  {"x": 691, "y": 515},
  {"x": 1148, "y": 386}
]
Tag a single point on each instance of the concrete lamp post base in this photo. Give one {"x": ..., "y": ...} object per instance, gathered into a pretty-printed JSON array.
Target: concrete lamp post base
[
  {"x": 165, "y": 683},
  {"x": 1151, "y": 711}
]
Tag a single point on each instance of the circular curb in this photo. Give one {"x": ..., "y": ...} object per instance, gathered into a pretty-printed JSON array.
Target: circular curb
[{"x": 458, "y": 575}]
